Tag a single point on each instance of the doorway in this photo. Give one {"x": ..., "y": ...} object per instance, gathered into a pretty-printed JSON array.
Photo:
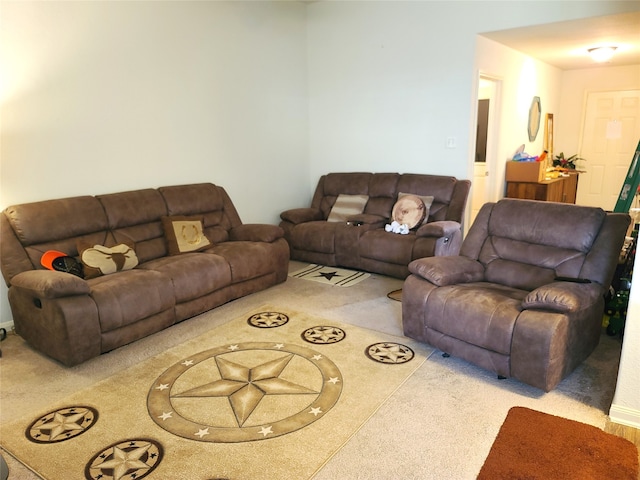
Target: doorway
[{"x": 484, "y": 183}]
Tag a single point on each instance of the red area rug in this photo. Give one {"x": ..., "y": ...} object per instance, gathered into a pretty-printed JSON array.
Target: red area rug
[{"x": 534, "y": 445}]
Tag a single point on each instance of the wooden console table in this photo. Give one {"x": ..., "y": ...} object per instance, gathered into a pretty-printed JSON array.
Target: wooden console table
[{"x": 561, "y": 189}]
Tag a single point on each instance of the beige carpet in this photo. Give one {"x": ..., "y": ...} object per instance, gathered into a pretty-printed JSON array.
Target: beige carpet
[
  {"x": 338, "y": 277},
  {"x": 446, "y": 411},
  {"x": 272, "y": 392}
]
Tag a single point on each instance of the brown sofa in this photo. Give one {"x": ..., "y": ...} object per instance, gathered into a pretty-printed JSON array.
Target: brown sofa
[
  {"x": 361, "y": 241},
  {"x": 525, "y": 297},
  {"x": 72, "y": 319}
]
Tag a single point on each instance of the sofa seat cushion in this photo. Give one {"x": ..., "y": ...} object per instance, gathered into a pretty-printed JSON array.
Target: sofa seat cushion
[
  {"x": 247, "y": 260},
  {"x": 124, "y": 298},
  {"x": 387, "y": 247},
  {"x": 315, "y": 236},
  {"x": 482, "y": 313},
  {"x": 193, "y": 274}
]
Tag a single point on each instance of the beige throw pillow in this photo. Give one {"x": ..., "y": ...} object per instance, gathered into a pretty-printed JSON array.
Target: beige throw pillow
[
  {"x": 100, "y": 260},
  {"x": 426, "y": 199},
  {"x": 184, "y": 234},
  {"x": 346, "y": 206}
]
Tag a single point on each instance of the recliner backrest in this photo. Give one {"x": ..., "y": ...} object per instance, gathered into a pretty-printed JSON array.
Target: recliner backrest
[
  {"x": 526, "y": 244},
  {"x": 450, "y": 194}
]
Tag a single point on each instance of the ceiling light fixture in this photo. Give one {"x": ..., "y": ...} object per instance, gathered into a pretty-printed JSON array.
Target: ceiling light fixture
[{"x": 602, "y": 54}]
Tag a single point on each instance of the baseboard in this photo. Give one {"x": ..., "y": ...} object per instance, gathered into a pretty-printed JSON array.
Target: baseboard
[
  {"x": 625, "y": 416},
  {"x": 8, "y": 326}
]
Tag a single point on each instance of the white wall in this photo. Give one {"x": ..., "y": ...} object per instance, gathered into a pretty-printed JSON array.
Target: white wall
[
  {"x": 576, "y": 84},
  {"x": 390, "y": 81},
  {"x": 521, "y": 78},
  {"x": 101, "y": 97},
  {"x": 625, "y": 407},
  {"x": 109, "y": 96}
]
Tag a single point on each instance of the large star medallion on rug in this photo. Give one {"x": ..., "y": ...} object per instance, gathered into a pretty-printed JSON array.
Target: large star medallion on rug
[{"x": 245, "y": 392}]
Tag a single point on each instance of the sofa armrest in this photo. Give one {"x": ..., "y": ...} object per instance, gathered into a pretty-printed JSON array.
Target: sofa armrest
[
  {"x": 256, "y": 232},
  {"x": 301, "y": 215},
  {"x": 50, "y": 284},
  {"x": 563, "y": 297},
  {"x": 450, "y": 270},
  {"x": 444, "y": 228}
]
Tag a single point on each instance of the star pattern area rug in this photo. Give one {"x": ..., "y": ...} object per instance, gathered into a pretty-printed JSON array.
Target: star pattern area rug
[
  {"x": 271, "y": 395},
  {"x": 338, "y": 277}
]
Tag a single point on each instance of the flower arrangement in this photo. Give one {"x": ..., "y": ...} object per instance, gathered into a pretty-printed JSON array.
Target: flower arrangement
[{"x": 566, "y": 162}]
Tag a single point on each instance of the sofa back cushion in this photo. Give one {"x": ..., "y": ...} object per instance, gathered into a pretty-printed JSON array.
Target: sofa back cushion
[
  {"x": 49, "y": 225},
  {"x": 207, "y": 200},
  {"x": 135, "y": 219},
  {"x": 526, "y": 244},
  {"x": 441, "y": 188},
  {"x": 383, "y": 190},
  {"x": 332, "y": 185}
]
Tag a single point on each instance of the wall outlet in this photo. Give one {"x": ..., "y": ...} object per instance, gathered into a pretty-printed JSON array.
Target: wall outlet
[{"x": 451, "y": 142}]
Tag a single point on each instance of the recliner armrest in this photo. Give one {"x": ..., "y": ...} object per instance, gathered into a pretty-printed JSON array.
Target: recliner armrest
[
  {"x": 50, "y": 283},
  {"x": 256, "y": 232},
  {"x": 563, "y": 297},
  {"x": 442, "y": 271},
  {"x": 301, "y": 215},
  {"x": 443, "y": 228}
]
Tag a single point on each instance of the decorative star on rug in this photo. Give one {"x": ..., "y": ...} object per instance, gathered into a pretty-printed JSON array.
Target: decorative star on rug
[
  {"x": 268, "y": 319},
  {"x": 328, "y": 275},
  {"x": 245, "y": 387},
  {"x": 127, "y": 459},
  {"x": 62, "y": 424},
  {"x": 243, "y": 384},
  {"x": 323, "y": 334},
  {"x": 390, "y": 352}
]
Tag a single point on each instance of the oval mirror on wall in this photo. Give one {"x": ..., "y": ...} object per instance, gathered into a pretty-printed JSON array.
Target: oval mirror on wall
[{"x": 535, "y": 112}]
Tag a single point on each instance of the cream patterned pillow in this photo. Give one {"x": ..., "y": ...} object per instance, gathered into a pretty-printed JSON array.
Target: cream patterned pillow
[
  {"x": 346, "y": 206},
  {"x": 100, "y": 260},
  {"x": 184, "y": 234}
]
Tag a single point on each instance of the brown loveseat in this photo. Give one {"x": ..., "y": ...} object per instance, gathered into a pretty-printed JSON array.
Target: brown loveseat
[
  {"x": 361, "y": 240},
  {"x": 73, "y": 319},
  {"x": 525, "y": 297}
]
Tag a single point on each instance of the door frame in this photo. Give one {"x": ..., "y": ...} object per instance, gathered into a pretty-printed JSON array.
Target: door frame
[{"x": 493, "y": 132}]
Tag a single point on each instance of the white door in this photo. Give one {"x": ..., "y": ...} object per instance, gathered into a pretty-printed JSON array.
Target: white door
[{"x": 609, "y": 139}]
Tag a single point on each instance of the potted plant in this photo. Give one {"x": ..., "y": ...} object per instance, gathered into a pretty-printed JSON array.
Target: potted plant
[{"x": 566, "y": 162}]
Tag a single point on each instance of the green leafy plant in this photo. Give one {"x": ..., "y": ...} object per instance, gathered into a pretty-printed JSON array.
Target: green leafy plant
[{"x": 566, "y": 162}]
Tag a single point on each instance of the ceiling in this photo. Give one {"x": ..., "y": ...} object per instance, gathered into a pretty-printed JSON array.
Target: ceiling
[{"x": 564, "y": 44}]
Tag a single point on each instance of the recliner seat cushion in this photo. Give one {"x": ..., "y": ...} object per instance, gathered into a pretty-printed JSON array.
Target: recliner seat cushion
[
  {"x": 495, "y": 309},
  {"x": 127, "y": 297},
  {"x": 315, "y": 236},
  {"x": 193, "y": 274},
  {"x": 246, "y": 260},
  {"x": 387, "y": 247}
]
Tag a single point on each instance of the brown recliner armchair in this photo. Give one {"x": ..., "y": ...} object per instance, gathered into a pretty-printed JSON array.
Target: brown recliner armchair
[{"x": 525, "y": 297}]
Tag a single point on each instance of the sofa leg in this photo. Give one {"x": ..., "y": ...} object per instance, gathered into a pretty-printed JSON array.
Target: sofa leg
[{"x": 445, "y": 355}]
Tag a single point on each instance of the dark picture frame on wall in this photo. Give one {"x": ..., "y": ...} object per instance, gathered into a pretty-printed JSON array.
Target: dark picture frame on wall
[{"x": 548, "y": 135}]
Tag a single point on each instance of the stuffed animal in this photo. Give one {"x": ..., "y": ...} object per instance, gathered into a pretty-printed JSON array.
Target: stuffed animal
[{"x": 395, "y": 227}]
